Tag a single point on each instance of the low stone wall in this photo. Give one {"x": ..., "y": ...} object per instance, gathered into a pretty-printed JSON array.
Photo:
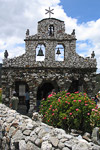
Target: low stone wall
[{"x": 19, "y": 132}]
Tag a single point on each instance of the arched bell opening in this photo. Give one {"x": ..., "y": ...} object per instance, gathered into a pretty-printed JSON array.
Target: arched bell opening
[
  {"x": 20, "y": 88},
  {"x": 44, "y": 90},
  {"x": 59, "y": 52},
  {"x": 40, "y": 52}
]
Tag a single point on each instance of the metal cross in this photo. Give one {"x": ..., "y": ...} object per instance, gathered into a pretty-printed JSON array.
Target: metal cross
[{"x": 49, "y": 11}]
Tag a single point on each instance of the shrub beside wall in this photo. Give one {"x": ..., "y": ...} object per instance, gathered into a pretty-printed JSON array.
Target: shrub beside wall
[{"x": 70, "y": 111}]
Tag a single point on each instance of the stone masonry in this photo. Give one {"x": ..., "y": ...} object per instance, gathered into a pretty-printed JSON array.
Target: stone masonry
[
  {"x": 19, "y": 132},
  {"x": 40, "y": 77}
]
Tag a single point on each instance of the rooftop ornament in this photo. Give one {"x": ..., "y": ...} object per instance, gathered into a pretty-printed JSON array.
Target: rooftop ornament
[
  {"x": 92, "y": 54},
  {"x": 5, "y": 54},
  {"x": 49, "y": 11}
]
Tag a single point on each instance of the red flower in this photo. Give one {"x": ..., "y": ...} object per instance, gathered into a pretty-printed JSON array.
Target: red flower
[
  {"x": 58, "y": 100},
  {"x": 79, "y": 100},
  {"x": 77, "y": 92},
  {"x": 50, "y": 105},
  {"x": 67, "y": 93},
  {"x": 86, "y": 104},
  {"x": 88, "y": 114},
  {"x": 74, "y": 100},
  {"x": 52, "y": 114},
  {"x": 64, "y": 117},
  {"x": 50, "y": 95},
  {"x": 77, "y": 109},
  {"x": 70, "y": 113}
]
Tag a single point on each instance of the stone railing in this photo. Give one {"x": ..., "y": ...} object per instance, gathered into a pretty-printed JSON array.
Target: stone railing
[{"x": 19, "y": 132}]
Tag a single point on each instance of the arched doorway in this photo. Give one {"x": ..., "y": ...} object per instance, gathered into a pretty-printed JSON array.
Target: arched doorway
[
  {"x": 44, "y": 89},
  {"x": 21, "y": 87}
]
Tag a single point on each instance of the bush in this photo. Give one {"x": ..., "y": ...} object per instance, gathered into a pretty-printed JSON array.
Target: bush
[
  {"x": 68, "y": 111},
  {"x": 0, "y": 95},
  {"x": 95, "y": 118}
]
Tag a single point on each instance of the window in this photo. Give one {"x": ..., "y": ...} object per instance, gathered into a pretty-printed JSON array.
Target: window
[
  {"x": 51, "y": 30},
  {"x": 40, "y": 52},
  {"x": 59, "y": 52}
]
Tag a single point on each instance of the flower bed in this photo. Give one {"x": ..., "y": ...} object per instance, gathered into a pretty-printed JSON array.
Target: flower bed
[{"x": 70, "y": 111}]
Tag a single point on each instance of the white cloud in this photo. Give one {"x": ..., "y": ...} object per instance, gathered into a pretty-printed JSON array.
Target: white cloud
[{"x": 18, "y": 16}]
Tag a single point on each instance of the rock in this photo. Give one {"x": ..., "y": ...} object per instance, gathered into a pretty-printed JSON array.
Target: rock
[
  {"x": 10, "y": 119},
  {"x": 22, "y": 145},
  {"x": 65, "y": 148},
  {"x": 18, "y": 135},
  {"x": 46, "y": 146},
  {"x": 29, "y": 126},
  {"x": 27, "y": 132},
  {"x": 41, "y": 133},
  {"x": 33, "y": 138},
  {"x": 61, "y": 145},
  {"x": 81, "y": 146},
  {"x": 95, "y": 135},
  {"x": 54, "y": 141},
  {"x": 38, "y": 142},
  {"x": 31, "y": 146},
  {"x": 37, "y": 117},
  {"x": 12, "y": 131},
  {"x": 86, "y": 136}
]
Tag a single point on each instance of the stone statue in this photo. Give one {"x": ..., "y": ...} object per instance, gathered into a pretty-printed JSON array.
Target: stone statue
[
  {"x": 5, "y": 54},
  {"x": 73, "y": 32},
  {"x": 27, "y": 32},
  {"x": 92, "y": 54}
]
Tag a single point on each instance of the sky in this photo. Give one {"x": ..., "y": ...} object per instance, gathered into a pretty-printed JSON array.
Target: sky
[{"x": 18, "y": 16}]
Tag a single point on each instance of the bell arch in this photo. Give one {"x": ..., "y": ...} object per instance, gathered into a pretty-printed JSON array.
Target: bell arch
[
  {"x": 40, "y": 52},
  {"x": 59, "y": 52}
]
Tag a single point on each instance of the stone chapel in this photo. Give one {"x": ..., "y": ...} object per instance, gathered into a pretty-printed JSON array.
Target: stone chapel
[{"x": 50, "y": 62}]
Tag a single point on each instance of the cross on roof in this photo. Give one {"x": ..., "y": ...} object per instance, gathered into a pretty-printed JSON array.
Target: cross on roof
[{"x": 49, "y": 11}]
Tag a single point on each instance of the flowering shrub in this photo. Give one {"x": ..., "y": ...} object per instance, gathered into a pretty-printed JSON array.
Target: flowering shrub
[
  {"x": 95, "y": 118},
  {"x": 68, "y": 111},
  {"x": 0, "y": 94}
]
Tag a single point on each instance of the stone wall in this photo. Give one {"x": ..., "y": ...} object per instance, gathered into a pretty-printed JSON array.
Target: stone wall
[
  {"x": 61, "y": 79},
  {"x": 19, "y": 132}
]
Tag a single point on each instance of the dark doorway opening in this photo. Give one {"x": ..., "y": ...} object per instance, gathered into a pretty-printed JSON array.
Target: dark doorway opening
[
  {"x": 44, "y": 90},
  {"x": 74, "y": 86},
  {"x": 21, "y": 87}
]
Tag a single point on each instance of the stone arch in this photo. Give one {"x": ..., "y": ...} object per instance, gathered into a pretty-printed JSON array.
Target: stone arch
[{"x": 44, "y": 89}]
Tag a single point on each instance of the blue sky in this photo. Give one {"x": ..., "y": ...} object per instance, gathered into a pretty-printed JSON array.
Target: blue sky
[
  {"x": 18, "y": 16},
  {"x": 83, "y": 10}
]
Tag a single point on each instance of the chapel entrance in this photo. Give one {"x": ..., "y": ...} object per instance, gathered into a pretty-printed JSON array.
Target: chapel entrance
[
  {"x": 21, "y": 87},
  {"x": 44, "y": 90}
]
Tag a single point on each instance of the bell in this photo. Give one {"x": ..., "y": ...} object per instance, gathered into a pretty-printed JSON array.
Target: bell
[
  {"x": 58, "y": 52},
  {"x": 40, "y": 52}
]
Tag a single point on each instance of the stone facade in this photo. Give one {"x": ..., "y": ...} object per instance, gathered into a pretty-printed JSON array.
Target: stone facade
[{"x": 40, "y": 77}]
